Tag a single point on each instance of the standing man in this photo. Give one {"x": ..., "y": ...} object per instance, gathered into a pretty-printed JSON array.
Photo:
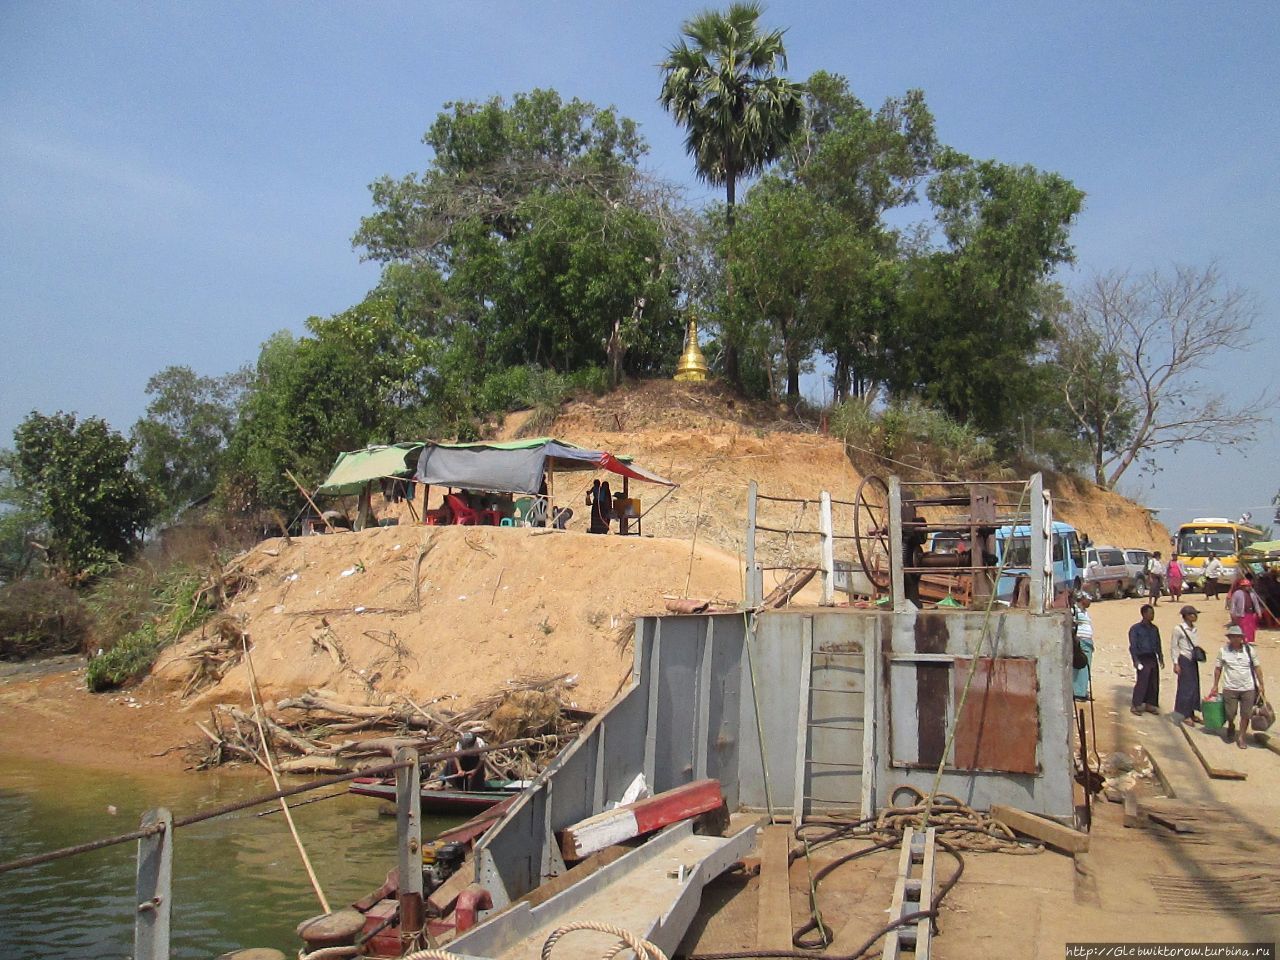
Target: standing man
[
  {"x": 1241, "y": 679},
  {"x": 1212, "y": 577},
  {"x": 1083, "y": 624},
  {"x": 1155, "y": 577},
  {"x": 1148, "y": 660}
]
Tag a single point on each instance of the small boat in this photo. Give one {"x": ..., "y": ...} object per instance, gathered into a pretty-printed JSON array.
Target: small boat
[{"x": 442, "y": 802}]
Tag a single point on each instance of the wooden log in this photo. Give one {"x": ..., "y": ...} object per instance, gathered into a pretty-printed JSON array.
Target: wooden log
[
  {"x": 1041, "y": 828},
  {"x": 773, "y": 926},
  {"x": 644, "y": 816}
]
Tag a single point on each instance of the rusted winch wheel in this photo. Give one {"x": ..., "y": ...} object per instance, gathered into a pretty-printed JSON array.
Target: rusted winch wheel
[{"x": 871, "y": 531}]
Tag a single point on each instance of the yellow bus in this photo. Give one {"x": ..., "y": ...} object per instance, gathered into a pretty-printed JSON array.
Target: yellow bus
[{"x": 1216, "y": 535}]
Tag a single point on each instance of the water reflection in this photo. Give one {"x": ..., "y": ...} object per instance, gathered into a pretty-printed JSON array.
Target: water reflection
[{"x": 238, "y": 880}]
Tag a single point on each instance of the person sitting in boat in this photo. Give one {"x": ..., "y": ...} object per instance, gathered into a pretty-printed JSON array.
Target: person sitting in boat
[{"x": 466, "y": 773}]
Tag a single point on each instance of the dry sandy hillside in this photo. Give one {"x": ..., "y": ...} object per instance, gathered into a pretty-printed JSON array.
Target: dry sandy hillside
[{"x": 493, "y": 604}]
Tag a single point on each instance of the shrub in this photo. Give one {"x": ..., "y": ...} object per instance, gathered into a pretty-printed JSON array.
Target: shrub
[
  {"x": 40, "y": 618},
  {"x": 139, "y": 611},
  {"x": 909, "y": 433}
]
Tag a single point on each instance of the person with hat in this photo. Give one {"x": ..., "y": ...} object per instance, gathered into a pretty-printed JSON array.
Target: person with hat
[
  {"x": 1147, "y": 654},
  {"x": 1245, "y": 607},
  {"x": 466, "y": 773},
  {"x": 1241, "y": 679},
  {"x": 1083, "y": 628},
  {"x": 1185, "y": 654}
]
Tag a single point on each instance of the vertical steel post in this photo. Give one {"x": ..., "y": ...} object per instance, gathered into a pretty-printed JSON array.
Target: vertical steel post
[
  {"x": 154, "y": 888},
  {"x": 750, "y": 598},
  {"x": 409, "y": 846},
  {"x": 897, "y": 581},
  {"x": 828, "y": 550},
  {"x": 1040, "y": 529}
]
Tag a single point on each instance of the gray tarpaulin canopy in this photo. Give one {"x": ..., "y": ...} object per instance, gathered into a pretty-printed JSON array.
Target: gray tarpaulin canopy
[{"x": 517, "y": 466}]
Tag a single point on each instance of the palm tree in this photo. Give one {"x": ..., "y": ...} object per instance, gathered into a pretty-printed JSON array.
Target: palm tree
[{"x": 719, "y": 84}]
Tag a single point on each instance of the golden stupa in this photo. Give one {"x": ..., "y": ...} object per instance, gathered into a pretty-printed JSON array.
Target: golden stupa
[{"x": 692, "y": 366}]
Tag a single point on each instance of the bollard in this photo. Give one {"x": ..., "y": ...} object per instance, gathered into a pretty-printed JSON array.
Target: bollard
[{"x": 409, "y": 845}]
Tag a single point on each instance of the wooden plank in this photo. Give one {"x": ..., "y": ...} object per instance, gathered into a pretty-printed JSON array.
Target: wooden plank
[
  {"x": 443, "y": 897},
  {"x": 644, "y": 816},
  {"x": 1215, "y": 773},
  {"x": 924, "y": 929},
  {"x": 892, "y": 942},
  {"x": 1041, "y": 828},
  {"x": 773, "y": 928}
]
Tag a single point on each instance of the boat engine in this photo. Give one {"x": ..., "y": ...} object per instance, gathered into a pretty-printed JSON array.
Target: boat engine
[{"x": 440, "y": 861}]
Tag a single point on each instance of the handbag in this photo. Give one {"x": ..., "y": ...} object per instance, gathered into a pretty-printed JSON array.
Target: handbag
[{"x": 1264, "y": 715}]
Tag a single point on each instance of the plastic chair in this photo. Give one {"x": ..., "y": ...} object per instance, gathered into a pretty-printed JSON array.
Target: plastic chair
[
  {"x": 531, "y": 511},
  {"x": 462, "y": 514}
]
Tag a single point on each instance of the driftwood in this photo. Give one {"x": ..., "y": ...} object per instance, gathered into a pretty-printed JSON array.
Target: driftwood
[{"x": 529, "y": 718}]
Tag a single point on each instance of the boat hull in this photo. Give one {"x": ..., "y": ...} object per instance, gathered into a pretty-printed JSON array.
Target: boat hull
[{"x": 434, "y": 802}]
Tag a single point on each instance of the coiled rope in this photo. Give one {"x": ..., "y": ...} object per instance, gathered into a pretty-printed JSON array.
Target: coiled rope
[{"x": 644, "y": 950}]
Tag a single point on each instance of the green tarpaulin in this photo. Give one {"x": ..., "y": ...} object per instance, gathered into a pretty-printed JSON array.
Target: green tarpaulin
[{"x": 354, "y": 469}]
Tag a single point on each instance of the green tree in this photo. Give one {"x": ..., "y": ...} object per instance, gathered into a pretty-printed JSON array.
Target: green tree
[
  {"x": 532, "y": 238},
  {"x": 972, "y": 325},
  {"x": 720, "y": 84},
  {"x": 354, "y": 382},
  {"x": 187, "y": 425},
  {"x": 19, "y": 526},
  {"x": 74, "y": 476}
]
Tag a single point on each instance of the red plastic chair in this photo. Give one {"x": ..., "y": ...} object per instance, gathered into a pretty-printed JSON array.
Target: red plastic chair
[{"x": 462, "y": 514}]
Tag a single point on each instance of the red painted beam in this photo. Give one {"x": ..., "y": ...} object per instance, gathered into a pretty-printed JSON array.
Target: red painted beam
[{"x": 643, "y": 816}]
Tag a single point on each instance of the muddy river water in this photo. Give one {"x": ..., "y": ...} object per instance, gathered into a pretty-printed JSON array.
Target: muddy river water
[{"x": 238, "y": 880}]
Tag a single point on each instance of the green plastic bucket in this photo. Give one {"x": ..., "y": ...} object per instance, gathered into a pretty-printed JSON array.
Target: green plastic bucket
[{"x": 1215, "y": 718}]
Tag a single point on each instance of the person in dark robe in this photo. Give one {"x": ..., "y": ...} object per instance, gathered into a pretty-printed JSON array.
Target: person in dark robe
[
  {"x": 600, "y": 500},
  {"x": 1182, "y": 651}
]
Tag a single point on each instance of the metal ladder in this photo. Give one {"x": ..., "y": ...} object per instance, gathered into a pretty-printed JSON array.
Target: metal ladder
[{"x": 831, "y": 724}]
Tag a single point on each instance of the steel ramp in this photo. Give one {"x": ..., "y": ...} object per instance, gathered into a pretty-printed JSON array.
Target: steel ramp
[{"x": 653, "y": 891}]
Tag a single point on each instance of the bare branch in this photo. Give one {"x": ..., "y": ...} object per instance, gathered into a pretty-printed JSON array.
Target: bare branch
[{"x": 1161, "y": 331}]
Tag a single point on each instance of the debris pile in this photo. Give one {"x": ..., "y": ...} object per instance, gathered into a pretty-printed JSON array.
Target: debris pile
[{"x": 317, "y": 734}]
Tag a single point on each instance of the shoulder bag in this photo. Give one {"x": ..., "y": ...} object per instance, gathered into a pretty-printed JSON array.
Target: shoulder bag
[
  {"x": 1264, "y": 715},
  {"x": 1197, "y": 652}
]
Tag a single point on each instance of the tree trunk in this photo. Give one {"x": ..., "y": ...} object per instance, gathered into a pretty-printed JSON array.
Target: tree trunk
[
  {"x": 840, "y": 380},
  {"x": 732, "y": 371},
  {"x": 793, "y": 380}
]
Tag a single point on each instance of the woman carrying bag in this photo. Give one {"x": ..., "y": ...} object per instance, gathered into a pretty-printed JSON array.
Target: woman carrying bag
[{"x": 1186, "y": 655}]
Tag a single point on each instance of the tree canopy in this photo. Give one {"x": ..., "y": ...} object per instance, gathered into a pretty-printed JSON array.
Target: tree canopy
[{"x": 73, "y": 478}]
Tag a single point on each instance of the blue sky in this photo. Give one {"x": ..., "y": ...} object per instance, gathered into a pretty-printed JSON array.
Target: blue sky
[{"x": 179, "y": 180}]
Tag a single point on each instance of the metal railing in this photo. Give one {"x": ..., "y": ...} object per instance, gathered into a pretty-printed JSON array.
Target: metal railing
[{"x": 155, "y": 838}]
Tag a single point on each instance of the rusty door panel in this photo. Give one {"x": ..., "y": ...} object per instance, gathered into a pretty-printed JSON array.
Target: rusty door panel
[{"x": 998, "y": 728}]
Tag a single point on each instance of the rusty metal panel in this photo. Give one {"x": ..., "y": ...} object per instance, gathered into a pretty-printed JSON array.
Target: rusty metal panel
[{"x": 998, "y": 728}]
